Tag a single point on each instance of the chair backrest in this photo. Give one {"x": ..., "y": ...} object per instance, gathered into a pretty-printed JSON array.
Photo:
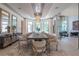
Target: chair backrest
[
  {"x": 53, "y": 38},
  {"x": 23, "y": 37},
  {"x": 29, "y": 33},
  {"x": 39, "y": 44}
]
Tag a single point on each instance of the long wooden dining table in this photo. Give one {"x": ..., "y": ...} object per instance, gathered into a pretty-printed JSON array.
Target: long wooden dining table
[{"x": 37, "y": 36}]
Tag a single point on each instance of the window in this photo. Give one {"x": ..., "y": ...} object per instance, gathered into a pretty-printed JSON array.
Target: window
[
  {"x": 63, "y": 24},
  {"x": 45, "y": 26},
  {"x": 14, "y": 23},
  {"x": 4, "y": 21},
  {"x": 30, "y": 26},
  {"x": 37, "y": 27}
]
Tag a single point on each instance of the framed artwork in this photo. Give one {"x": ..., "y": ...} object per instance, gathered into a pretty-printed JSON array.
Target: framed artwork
[{"x": 76, "y": 25}]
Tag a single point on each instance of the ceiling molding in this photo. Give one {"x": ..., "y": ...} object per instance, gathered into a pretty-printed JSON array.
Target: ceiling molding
[{"x": 12, "y": 9}]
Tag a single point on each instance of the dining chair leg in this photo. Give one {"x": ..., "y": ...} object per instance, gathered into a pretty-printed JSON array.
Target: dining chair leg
[
  {"x": 57, "y": 47},
  {"x": 32, "y": 53},
  {"x": 48, "y": 48},
  {"x": 19, "y": 47}
]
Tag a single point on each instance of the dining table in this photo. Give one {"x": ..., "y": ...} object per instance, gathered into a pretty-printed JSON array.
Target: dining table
[{"x": 38, "y": 36}]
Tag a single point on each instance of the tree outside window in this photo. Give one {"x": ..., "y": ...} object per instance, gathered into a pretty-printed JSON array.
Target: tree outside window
[{"x": 45, "y": 26}]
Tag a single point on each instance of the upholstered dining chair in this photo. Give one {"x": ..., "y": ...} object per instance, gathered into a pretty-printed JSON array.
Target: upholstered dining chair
[
  {"x": 53, "y": 42},
  {"x": 22, "y": 43},
  {"x": 38, "y": 47}
]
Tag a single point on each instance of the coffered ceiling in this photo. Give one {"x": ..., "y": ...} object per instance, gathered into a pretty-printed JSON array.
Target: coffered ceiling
[{"x": 49, "y": 9}]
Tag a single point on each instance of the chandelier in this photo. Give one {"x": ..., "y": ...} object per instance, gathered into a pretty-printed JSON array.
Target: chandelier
[
  {"x": 37, "y": 18},
  {"x": 37, "y": 8}
]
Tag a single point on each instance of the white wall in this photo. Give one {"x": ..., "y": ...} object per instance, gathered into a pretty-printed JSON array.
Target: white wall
[
  {"x": 71, "y": 10},
  {"x": 72, "y": 14},
  {"x": 50, "y": 24},
  {"x": 70, "y": 20},
  {"x": 19, "y": 18}
]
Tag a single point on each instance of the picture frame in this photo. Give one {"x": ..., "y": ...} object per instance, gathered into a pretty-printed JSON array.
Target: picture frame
[{"x": 76, "y": 25}]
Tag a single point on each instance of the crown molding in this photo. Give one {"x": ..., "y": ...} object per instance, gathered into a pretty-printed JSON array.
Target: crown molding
[{"x": 8, "y": 6}]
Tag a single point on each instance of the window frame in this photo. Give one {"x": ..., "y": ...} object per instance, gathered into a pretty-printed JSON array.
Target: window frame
[
  {"x": 4, "y": 15},
  {"x": 44, "y": 26},
  {"x": 32, "y": 26},
  {"x": 12, "y": 21}
]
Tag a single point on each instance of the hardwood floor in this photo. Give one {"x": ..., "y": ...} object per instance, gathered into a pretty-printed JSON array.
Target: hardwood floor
[{"x": 67, "y": 47}]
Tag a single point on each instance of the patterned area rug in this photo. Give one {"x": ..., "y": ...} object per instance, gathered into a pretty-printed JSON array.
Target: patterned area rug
[
  {"x": 14, "y": 50},
  {"x": 66, "y": 48}
]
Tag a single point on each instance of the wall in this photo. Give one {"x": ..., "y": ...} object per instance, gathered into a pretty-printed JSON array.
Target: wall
[
  {"x": 72, "y": 14},
  {"x": 71, "y": 10},
  {"x": 19, "y": 18},
  {"x": 0, "y": 20},
  {"x": 70, "y": 20},
  {"x": 24, "y": 26},
  {"x": 50, "y": 24}
]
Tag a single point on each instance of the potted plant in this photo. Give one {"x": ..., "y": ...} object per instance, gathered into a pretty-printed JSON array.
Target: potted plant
[
  {"x": 13, "y": 28},
  {"x": 8, "y": 29}
]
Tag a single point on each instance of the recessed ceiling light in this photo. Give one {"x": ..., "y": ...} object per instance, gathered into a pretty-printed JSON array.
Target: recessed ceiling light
[
  {"x": 24, "y": 18},
  {"x": 19, "y": 8},
  {"x": 56, "y": 7}
]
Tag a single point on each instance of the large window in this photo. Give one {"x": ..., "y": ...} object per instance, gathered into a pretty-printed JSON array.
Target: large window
[
  {"x": 30, "y": 26},
  {"x": 5, "y": 21},
  {"x": 45, "y": 26},
  {"x": 63, "y": 24},
  {"x": 14, "y": 23},
  {"x": 37, "y": 27}
]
